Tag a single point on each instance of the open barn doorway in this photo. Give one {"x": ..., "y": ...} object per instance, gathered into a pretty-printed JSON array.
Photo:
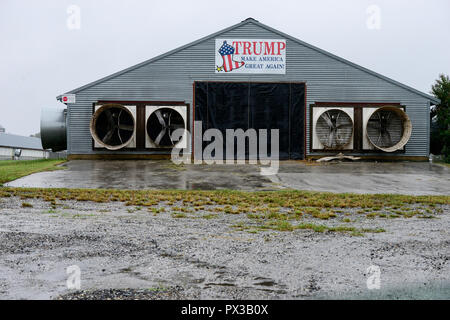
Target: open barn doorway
[{"x": 254, "y": 105}]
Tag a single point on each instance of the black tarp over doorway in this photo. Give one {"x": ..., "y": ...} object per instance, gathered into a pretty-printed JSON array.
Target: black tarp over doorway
[{"x": 244, "y": 105}]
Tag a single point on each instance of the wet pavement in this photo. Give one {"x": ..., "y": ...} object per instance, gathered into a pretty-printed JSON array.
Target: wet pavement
[{"x": 415, "y": 178}]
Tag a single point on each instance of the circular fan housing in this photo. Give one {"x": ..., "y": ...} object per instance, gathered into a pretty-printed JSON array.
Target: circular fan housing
[
  {"x": 334, "y": 128},
  {"x": 53, "y": 129},
  {"x": 161, "y": 124},
  {"x": 112, "y": 126},
  {"x": 389, "y": 129}
]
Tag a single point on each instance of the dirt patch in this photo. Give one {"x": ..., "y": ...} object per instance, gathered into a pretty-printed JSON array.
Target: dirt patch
[
  {"x": 127, "y": 251},
  {"x": 126, "y": 294}
]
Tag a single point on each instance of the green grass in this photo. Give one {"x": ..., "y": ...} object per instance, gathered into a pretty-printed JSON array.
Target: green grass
[
  {"x": 179, "y": 215},
  {"x": 272, "y": 204},
  {"x": 286, "y": 210},
  {"x": 280, "y": 225},
  {"x": 209, "y": 216},
  {"x": 13, "y": 169},
  {"x": 442, "y": 162}
]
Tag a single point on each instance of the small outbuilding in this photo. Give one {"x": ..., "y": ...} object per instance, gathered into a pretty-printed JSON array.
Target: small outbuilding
[{"x": 20, "y": 147}]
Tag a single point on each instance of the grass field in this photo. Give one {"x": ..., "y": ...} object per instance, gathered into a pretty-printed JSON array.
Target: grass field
[
  {"x": 13, "y": 169},
  {"x": 445, "y": 164},
  {"x": 285, "y": 210}
]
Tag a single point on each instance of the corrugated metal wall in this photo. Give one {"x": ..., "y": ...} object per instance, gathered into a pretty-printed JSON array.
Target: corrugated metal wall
[{"x": 171, "y": 79}]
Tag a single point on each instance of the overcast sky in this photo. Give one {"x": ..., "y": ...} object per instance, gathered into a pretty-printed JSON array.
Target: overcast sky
[{"x": 43, "y": 54}]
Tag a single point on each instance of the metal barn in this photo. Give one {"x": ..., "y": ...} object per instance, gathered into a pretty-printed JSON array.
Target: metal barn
[{"x": 248, "y": 76}]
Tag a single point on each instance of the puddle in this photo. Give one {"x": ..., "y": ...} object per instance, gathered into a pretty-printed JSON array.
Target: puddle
[
  {"x": 222, "y": 284},
  {"x": 433, "y": 291},
  {"x": 268, "y": 283}
]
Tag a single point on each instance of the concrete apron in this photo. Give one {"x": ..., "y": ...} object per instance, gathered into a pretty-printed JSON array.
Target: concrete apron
[{"x": 358, "y": 177}]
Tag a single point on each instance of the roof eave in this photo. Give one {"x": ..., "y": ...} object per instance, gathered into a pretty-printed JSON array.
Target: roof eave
[
  {"x": 378, "y": 75},
  {"x": 155, "y": 58},
  {"x": 435, "y": 101},
  {"x": 432, "y": 99}
]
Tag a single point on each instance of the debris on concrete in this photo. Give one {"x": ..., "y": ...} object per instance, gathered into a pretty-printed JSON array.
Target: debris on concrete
[{"x": 339, "y": 156}]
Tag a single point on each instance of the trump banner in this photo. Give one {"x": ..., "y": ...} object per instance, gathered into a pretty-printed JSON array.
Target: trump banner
[{"x": 250, "y": 56}]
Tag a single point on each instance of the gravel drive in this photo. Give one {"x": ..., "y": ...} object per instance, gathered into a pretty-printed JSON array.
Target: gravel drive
[
  {"x": 130, "y": 253},
  {"x": 125, "y": 294}
]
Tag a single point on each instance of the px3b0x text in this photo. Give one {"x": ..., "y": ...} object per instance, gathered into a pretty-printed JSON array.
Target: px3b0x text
[{"x": 247, "y": 309}]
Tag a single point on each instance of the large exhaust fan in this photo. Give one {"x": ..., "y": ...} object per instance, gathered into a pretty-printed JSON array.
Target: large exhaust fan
[
  {"x": 113, "y": 126},
  {"x": 387, "y": 128},
  {"x": 53, "y": 129},
  {"x": 332, "y": 128},
  {"x": 161, "y": 122}
]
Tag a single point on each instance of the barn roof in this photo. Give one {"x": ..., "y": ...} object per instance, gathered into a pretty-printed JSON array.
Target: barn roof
[
  {"x": 432, "y": 99},
  {"x": 20, "y": 142}
]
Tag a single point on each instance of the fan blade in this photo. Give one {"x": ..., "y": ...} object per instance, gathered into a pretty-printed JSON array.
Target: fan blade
[
  {"x": 331, "y": 138},
  {"x": 389, "y": 139},
  {"x": 107, "y": 138},
  {"x": 176, "y": 126},
  {"x": 170, "y": 116},
  {"x": 160, "y": 118},
  {"x": 375, "y": 124},
  {"x": 169, "y": 125},
  {"x": 118, "y": 117},
  {"x": 160, "y": 136},
  {"x": 126, "y": 127},
  {"x": 337, "y": 118},
  {"x": 118, "y": 125},
  {"x": 110, "y": 118},
  {"x": 327, "y": 119},
  {"x": 120, "y": 137},
  {"x": 338, "y": 140},
  {"x": 171, "y": 141},
  {"x": 388, "y": 118},
  {"x": 379, "y": 138},
  {"x": 344, "y": 125}
]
